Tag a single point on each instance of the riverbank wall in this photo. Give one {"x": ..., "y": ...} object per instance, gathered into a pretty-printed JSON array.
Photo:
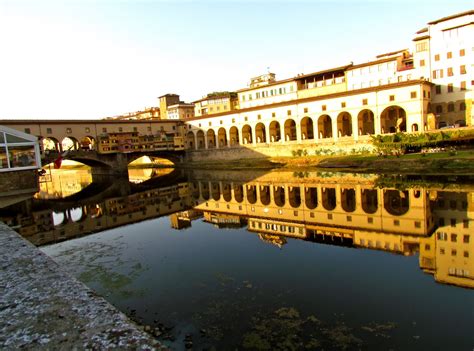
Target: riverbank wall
[{"x": 42, "y": 307}]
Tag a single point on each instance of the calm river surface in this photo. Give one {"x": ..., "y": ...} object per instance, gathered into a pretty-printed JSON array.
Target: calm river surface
[{"x": 268, "y": 260}]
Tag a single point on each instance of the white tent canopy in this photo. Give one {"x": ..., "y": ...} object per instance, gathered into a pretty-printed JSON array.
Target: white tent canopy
[{"x": 18, "y": 150}]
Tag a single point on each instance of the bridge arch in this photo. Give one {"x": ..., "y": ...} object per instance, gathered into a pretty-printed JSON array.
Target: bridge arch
[
  {"x": 329, "y": 198},
  {"x": 396, "y": 202},
  {"x": 226, "y": 192},
  {"x": 311, "y": 197},
  {"x": 51, "y": 144},
  {"x": 294, "y": 195},
  {"x": 70, "y": 143},
  {"x": 215, "y": 191},
  {"x": 87, "y": 143},
  {"x": 370, "y": 202},
  {"x": 393, "y": 120},
  {"x": 265, "y": 194},
  {"x": 238, "y": 192},
  {"x": 251, "y": 194},
  {"x": 348, "y": 200},
  {"x": 279, "y": 195}
]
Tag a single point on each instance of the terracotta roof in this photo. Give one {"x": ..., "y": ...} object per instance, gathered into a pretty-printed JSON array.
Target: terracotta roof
[
  {"x": 391, "y": 53},
  {"x": 470, "y": 12},
  {"x": 423, "y": 30},
  {"x": 421, "y": 38}
]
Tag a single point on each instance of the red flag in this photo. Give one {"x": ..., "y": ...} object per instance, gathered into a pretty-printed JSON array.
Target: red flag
[{"x": 58, "y": 161}]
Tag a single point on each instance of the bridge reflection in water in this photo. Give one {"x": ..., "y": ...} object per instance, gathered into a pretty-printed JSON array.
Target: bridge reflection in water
[{"x": 337, "y": 209}]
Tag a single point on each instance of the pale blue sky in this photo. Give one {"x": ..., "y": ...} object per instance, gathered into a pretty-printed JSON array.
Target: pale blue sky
[{"x": 93, "y": 59}]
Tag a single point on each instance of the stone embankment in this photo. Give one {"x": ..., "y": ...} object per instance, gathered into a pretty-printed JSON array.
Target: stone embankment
[{"x": 42, "y": 307}]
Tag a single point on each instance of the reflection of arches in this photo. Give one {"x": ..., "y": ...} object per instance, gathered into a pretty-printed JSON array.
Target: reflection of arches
[
  {"x": 211, "y": 139},
  {"x": 365, "y": 121},
  {"x": 200, "y": 140},
  {"x": 294, "y": 196},
  {"x": 58, "y": 218},
  {"x": 226, "y": 192},
  {"x": 396, "y": 202},
  {"x": 393, "y": 119},
  {"x": 329, "y": 198},
  {"x": 307, "y": 128},
  {"x": 195, "y": 190},
  {"x": 87, "y": 143},
  {"x": 311, "y": 198},
  {"x": 222, "y": 137},
  {"x": 370, "y": 201},
  {"x": 234, "y": 136},
  {"x": 190, "y": 140},
  {"x": 348, "y": 200},
  {"x": 76, "y": 214},
  {"x": 325, "y": 127},
  {"x": 414, "y": 127},
  {"x": 275, "y": 132},
  {"x": 251, "y": 194},
  {"x": 215, "y": 191},
  {"x": 265, "y": 195},
  {"x": 279, "y": 195},
  {"x": 344, "y": 124},
  {"x": 260, "y": 133},
  {"x": 238, "y": 192},
  {"x": 247, "y": 134},
  {"x": 70, "y": 143},
  {"x": 290, "y": 130},
  {"x": 205, "y": 191}
]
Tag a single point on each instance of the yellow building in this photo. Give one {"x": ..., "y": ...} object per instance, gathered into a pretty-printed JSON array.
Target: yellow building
[{"x": 217, "y": 102}]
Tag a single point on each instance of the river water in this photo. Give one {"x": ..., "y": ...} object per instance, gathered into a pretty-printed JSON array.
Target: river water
[{"x": 268, "y": 260}]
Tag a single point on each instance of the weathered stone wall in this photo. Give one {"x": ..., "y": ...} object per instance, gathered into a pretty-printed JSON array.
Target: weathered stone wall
[
  {"x": 280, "y": 150},
  {"x": 18, "y": 182}
]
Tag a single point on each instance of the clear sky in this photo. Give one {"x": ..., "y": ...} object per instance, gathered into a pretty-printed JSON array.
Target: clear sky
[{"x": 92, "y": 59}]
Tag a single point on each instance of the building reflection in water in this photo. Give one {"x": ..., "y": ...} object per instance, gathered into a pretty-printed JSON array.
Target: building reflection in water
[{"x": 345, "y": 210}]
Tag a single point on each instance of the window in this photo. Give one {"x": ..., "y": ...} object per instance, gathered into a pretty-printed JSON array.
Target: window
[
  {"x": 323, "y": 107},
  {"x": 233, "y": 120},
  {"x": 454, "y": 252},
  {"x": 305, "y": 110},
  {"x": 462, "y": 52},
  {"x": 427, "y": 247},
  {"x": 421, "y": 47},
  {"x": 27, "y": 130},
  {"x": 436, "y": 57},
  {"x": 449, "y": 55},
  {"x": 370, "y": 220},
  {"x": 454, "y": 238},
  {"x": 329, "y": 215},
  {"x": 104, "y": 130},
  {"x": 441, "y": 250},
  {"x": 135, "y": 129},
  {"x": 68, "y": 130},
  {"x": 463, "y": 86},
  {"x": 422, "y": 63},
  {"x": 88, "y": 130},
  {"x": 392, "y": 98},
  {"x": 466, "y": 254},
  {"x": 453, "y": 222},
  {"x": 343, "y": 104},
  {"x": 396, "y": 222},
  {"x": 364, "y": 102},
  {"x": 450, "y": 107},
  {"x": 450, "y": 71},
  {"x": 462, "y": 69},
  {"x": 246, "y": 119},
  {"x": 120, "y": 129},
  {"x": 288, "y": 112},
  {"x": 437, "y": 73},
  {"x": 417, "y": 224},
  {"x": 148, "y": 129},
  {"x": 462, "y": 106},
  {"x": 413, "y": 94},
  {"x": 273, "y": 114},
  {"x": 438, "y": 89},
  {"x": 465, "y": 239},
  {"x": 349, "y": 218},
  {"x": 450, "y": 87}
]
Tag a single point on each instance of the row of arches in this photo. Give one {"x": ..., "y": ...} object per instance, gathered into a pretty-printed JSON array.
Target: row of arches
[
  {"x": 392, "y": 119},
  {"x": 395, "y": 202},
  {"x": 68, "y": 143}
]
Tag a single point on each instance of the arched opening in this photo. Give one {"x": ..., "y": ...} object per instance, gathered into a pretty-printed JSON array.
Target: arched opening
[
  {"x": 325, "y": 127},
  {"x": 365, "y": 122},
  {"x": 344, "y": 124},
  {"x": 195, "y": 190},
  {"x": 205, "y": 191},
  {"x": 222, "y": 137},
  {"x": 275, "y": 132},
  {"x": 307, "y": 128},
  {"x": 294, "y": 195},
  {"x": 370, "y": 201},
  {"x": 58, "y": 218},
  {"x": 234, "y": 136},
  {"x": 348, "y": 200},
  {"x": 51, "y": 144},
  {"x": 260, "y": 133},
  {"x": 279, "y": 195},
  {"x": 329, "y": 198},
  {"x": 238, "y": 192},
  {"x": 290, "y": 130},
  {"x": 265, "y": 195},
  {"x": 311, "y": 198},
  {"x": 393, "y": 120},
  {"x": 69, "y": 143},
  {"x": 211, "y": 139},
  {"x": 247, "y": 134},
  {"x": 396, "y": 202},
  {"x": 215, "y": 191},
  {"x": 201, "y": 144},
  {"x": 414, "y": 127},
  {"x": 251, "y": 194},
  {"x": 190, "y": 141},
  {"x": 76, "y": 214},
  {"x": 226, "y": 192},
  {"x": 87, "y": 143}
]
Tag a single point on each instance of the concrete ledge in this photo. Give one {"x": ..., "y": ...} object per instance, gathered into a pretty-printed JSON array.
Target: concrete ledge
[{"x": 42, "y": 307}]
